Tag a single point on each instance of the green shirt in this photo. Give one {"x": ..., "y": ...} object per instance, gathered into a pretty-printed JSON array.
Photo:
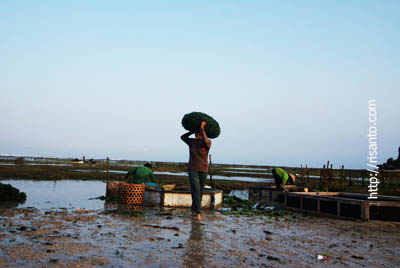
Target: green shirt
[
  {"x": 282, "y": 174},
  {"x": 140, "y": 175}
]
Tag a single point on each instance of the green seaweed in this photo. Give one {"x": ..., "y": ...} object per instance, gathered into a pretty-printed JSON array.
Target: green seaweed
[
  {"x": 242, "y": 207},
  {"x": 192, "y": 122}
]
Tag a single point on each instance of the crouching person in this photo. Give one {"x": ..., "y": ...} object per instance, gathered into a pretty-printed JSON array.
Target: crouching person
[
  {"x": 141, "y": 174},
  {"x": 282, "y": 178}
]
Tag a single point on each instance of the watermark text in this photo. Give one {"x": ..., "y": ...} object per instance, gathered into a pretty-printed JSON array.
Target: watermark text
[{"x": 372, "y": 151}]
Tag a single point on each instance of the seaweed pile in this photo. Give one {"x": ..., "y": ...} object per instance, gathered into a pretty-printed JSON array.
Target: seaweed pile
[
  {"x": 192, "y": 122},
  {"x": 242, "y": 207},
  {"x": 11, "y": 194}
]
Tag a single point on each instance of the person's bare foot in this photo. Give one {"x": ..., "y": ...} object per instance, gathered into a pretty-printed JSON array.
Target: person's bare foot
[{"x": 197, "y": 217}]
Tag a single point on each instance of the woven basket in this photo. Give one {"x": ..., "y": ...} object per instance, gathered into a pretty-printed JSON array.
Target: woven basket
[{"x": 131, "y": 194}]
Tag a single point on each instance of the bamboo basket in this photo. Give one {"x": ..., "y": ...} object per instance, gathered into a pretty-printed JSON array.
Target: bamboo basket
[{"x": 131, "y": 194}]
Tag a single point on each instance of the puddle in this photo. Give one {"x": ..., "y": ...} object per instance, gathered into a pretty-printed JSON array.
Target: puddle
[
  {"x": 69, "y": 194},
  {"x": 243, "y": 194},
  {"x": 245, "y": 179},
  {"x": 215, "y": 177},
  {"x": 37, "y": 164},
  {"x": 248, "y": 168},
  {"x": 219, "y": 177},
  {"x": 246, "y": 172}
]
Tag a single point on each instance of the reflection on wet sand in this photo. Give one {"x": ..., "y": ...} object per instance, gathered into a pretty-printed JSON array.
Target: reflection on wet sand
[{"x": 194, "y": 249}]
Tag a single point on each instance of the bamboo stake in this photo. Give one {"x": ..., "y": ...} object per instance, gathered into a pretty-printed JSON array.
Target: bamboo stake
[
  {"x": 210, "y": 170},
  {"x": 108, "y": 169},
  {"x": 341, "y": 175}
]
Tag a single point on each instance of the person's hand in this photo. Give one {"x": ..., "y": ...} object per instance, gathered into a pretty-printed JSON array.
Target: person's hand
[{"x": 203, "y": 124}]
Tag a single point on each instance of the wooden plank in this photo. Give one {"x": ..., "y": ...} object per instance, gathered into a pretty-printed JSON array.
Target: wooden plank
[
  {"x": 365, "y": 212},
  {"x": 384, "y": 203}
]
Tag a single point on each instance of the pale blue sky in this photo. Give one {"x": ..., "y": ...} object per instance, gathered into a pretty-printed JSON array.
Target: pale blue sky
[{"x": 289, "y": 81}]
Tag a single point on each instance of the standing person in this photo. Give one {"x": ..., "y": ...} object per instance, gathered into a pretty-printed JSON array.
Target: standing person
[
  {"x": 197, "y": 166},
  {"x": 141, "y": 174},
  {"x": 282, "y": 178}
]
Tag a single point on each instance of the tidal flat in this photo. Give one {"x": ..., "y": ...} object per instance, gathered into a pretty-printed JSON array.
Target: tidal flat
[
  {"x": 62, "y": 224},
  {"x": 170, "y": 238}
]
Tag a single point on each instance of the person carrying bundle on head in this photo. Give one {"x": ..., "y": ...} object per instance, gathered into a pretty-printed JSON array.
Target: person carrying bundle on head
[
  {"x": 282, "y": 178},
  {"x": 205, "y": 128},
  {"x": 141, "y": 174},
  {"x": 198, "y": 165}
]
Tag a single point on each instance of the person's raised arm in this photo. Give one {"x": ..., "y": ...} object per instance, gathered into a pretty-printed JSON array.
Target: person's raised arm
[
  {"x": 203, "y": 133},
  {"x": 185, "y": 137}
]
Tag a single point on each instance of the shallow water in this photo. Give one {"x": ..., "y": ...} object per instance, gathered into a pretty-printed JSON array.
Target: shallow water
[
  {"x": 69, "y": 194},
  {"x": 219, "y": 177},
  {"x": 243, "y": 194},
  {"x": 246, "y": 172},
  {"x": 247, "y": 168},
  {"x": 215, "y": 177}
]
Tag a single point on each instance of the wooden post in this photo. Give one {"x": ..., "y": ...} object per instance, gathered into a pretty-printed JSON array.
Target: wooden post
[
  {"x": 210, "y": 170},
  {"x": 364, "y": 213},
  {"x": 327, "y": 172},
  {"x": 362, "y": 178},
  {"x": 302, "y": 174},
  {"x": 108, "y": 169},
  {"x": 350, "y": 181},
  {"x": 322, "y": 178},
  {"x": 383, "y": 177},
  {"x": 341, "y": 175}
]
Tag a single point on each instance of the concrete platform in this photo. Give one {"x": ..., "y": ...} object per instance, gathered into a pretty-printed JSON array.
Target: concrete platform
[{"x": 180, "y": 196}]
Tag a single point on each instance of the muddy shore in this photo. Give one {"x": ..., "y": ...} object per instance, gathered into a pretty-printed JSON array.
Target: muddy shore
[{"x": 82, "y": 238}]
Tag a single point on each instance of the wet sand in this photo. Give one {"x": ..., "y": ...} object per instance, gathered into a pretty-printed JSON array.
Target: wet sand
[{"x": 94, "y": 238}]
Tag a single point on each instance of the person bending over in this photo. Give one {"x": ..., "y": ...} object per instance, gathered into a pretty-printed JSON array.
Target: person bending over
[
  {"x": 282, "y": 178},
  {"x": 141, "y": 174}
]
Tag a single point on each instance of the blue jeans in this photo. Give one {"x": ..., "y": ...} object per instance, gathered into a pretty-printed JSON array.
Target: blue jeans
[{"x": 197, "y": 181}]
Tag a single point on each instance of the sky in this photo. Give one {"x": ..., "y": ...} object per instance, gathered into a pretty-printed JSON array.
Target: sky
[{"x": 288, "y": 81}]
